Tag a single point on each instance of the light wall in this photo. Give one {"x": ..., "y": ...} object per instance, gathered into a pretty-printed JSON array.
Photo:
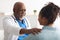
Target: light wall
[{"x": 6, "y": 6}]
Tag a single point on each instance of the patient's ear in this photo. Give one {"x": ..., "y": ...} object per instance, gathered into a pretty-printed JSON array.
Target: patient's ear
[{"x": 44, "y": 19}]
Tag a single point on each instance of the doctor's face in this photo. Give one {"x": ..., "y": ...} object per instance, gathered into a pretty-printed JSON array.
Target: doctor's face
[{"x": 21, "y": 12}]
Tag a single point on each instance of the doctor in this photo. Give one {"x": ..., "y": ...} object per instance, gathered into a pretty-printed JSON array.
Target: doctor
[{"x": 16, "y": 27}]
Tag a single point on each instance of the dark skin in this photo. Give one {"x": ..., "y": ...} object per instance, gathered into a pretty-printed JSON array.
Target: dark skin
[
  {"x": 19, "y": 12},
  {"x": 43, "y": 21}
]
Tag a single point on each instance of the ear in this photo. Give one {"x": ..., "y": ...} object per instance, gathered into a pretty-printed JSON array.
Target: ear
[{"x": 44, "y": 18}]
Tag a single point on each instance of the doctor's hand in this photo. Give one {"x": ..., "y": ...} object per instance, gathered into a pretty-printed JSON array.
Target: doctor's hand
[
  {"x": 30, "y": 31},
  {"x": 35, "y": 31}
]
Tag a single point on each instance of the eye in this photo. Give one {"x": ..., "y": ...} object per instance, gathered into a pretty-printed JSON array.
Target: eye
[{"x": 22, "y": 10}]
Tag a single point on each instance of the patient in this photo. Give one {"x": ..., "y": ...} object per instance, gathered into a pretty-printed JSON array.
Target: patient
[{"x": 47, "y": 16}]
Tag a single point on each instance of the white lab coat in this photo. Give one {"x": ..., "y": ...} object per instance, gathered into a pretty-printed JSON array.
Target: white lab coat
[{"x": 12, "y": 28}]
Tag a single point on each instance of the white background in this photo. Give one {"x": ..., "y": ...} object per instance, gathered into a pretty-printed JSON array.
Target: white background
[{"x": 6, "y": 7}]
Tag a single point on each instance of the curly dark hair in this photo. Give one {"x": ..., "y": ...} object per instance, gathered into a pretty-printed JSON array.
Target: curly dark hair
[{"x": 50, "y": 12}]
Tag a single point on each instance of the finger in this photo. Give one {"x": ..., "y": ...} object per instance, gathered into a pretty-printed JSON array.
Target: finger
[
  {"x": 35, "y": 31},
  {"x": 39, "y": 30}
]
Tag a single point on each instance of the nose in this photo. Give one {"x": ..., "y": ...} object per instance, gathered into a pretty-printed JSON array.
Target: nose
[{"x": 23, "y": 10}]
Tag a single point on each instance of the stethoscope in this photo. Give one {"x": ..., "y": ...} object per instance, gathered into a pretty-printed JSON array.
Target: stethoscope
[{"x": 16, "y": 20}]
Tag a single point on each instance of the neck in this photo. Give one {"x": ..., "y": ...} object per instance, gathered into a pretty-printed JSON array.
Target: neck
[
  {"x": 20, "y": 19},
  {"x": 50, "y": 25},
  {"x": 17, "y": 17}
]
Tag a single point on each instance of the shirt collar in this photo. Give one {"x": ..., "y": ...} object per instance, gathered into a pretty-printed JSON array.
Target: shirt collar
[
  {"x": 49, "y": 28},
  {"x": 17, "y": 19}
]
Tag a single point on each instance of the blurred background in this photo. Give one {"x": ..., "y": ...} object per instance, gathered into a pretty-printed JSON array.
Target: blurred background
[{"x": 32, "y": 6}]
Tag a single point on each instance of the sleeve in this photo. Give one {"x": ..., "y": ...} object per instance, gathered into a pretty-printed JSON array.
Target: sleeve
[
  {"x": 32, "y": 37},
  {"x": 10, "y": 27}
]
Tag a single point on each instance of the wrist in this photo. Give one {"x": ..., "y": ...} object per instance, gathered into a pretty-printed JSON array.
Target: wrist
[
  {"x": 27, "y": 31},
  {"x": 22, "y": 31}
]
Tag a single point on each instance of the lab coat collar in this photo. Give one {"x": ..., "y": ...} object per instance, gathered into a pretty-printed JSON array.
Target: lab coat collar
[{"x": 13, "y": 17}]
